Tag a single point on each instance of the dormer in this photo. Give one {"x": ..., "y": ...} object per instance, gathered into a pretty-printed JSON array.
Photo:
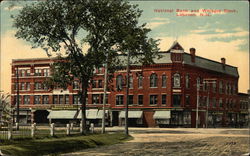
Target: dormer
[{"x": 176, "y": 48}]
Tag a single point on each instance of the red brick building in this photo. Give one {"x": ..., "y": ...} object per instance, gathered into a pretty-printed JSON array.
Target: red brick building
[{"x": 161, "y": 94}]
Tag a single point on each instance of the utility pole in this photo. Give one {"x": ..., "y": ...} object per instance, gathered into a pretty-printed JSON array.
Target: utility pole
[
  {"x": 105, "y": 93},
  {"x": 127, "y": 92},
  {"x": 197, "y": 105},
  {"x": 207, "y": 109},
  {"x": 17, "y": 98}
]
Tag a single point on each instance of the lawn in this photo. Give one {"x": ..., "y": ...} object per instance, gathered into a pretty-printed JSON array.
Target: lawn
[{"x": 56, "y": 145}]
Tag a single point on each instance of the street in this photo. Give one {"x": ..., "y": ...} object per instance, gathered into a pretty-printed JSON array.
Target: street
[{"x": 176, "y": 141}]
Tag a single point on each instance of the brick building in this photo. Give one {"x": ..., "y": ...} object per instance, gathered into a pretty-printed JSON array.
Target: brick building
[{"x": 160, "y": 94}]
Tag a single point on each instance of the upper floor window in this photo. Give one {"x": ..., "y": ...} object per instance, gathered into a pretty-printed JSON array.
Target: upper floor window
[
  {"x": 119, "y": 82},
  {"x": 95, "y": 99},
  {"x": 99, "y": 83},
  {"x": 38, "y": 85},
  {"x": 130, "y": 81},
  {"x": 26, "y": 99},
  {"x": 76, "y": 99},
  {"x": 37, "y": 99},
  {"x": 75, "y": 85},
  {"x": 177, "y": 82},
  {"x": 38, "y": 72},
  {"x": 187, "y": 82},
  {"x": 153, "y": 99},
  {"x": 27, "y": 86},
  {"x": 153, "y": 80},
  {"x": 220, "y": 102},
  {"x": 130, "y": 99},
  {"x": 164, "y": 80},
  {"x": 140, "y": 99},
  {"x": 140, "y": 79},
  {"x": 22, "y": 72},
  {"x": 46, "y": 72},
  {"x": 164, "y": 99},
  {"x": 221, "y": 87},
  {"x": 119, "y": 99},
  {"x": 45, "y": 99},
  {"x": 214, "y": 87},
  {"x": 187, "y": 100},
  {"x": 22, "y": 86},
  {"x": 93, "y": 83}
]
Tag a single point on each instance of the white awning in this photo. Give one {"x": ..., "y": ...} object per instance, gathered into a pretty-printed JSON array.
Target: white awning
[
  {"x": 100, "y": 114},
  {"x": 90, "y": 114},
  {"x": 131, "y": 114},
  {"x": 70, "y": 114},
  {"x": 162, "y": 115}
]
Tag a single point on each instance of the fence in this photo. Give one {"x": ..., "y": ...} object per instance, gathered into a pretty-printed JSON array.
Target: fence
[{"x": 32, "y": 131}]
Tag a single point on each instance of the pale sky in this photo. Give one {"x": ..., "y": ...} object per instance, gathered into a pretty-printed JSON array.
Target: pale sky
[{"x": 223, "y": 33}]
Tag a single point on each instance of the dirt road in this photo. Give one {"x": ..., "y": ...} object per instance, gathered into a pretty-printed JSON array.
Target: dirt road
[{"x": 177, "y": 142}]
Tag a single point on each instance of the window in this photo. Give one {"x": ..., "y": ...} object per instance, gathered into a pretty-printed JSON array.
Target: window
[
  {"x": 214, "y": 87},
  {"x": 95, "y": 98},
  {"x": 220, "y": 102},
  {"x": 61, "y": 99},
  {"x": 16, "y": 86},
  {"x": 187, "y": 82},
  {"x": 28, "y": 72},
  {"x": 130, "y": 82},
  {"x": 22, "y": 72},
  {"x": 140, "y": 79},
  {"x": 229, "y": 89},
  {"x": 176, "y": 100},
  {"x": 214, "y": 102},
  {"x": 153, "y": 80},
  {"x": 27, "y": 86},
  {"x": 164, "y": 81},
  {"x": 177, "y": 80},
  {"x": 93, "y": 83},
  {"x": 99, "y": 70},
  {"x": 55, "y": 99},
  {"x": 66, "y": 99},
  {"x": 140, "y": 99},
  {"x": 99, "y": 83},
  {"x": 164, "y": 99},
  {"x": 119, "y": 82},
  {"x": 153, "y": 99},
  {"x": 46, "y": 72},
  {"x": 38, "y": 72},
  {"x": 45, "y": 99},
  {"x": 198, "y": 82},
  {"x": 38, "y": 85},
  {"x": 26, "y": 99},
  {"x": 106, "y": 98},
  {"x": 130, "y": 99},
  {"x": 22, "y": 86},
  {"x": 119, "y": 99},
  {"x": 37, "y": 99},
  {"x": 75, "y": 85},
  {"x": 76, "y": 99},
  {"x": 221, "y": 87},
  {"x": 226, "y": 88},
  {"x": 187, "y": 100}
]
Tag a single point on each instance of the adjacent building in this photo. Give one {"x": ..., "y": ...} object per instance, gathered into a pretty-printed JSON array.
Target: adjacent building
[{"x": 164, "y": 94}]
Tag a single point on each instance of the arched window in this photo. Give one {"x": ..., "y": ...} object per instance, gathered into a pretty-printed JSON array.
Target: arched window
[
  {"x": 119, "y": 82},
  {"x": 198, "y": 82},
  {"x": 177, "y": 80},
  {"x": 153, "y": 80},
  {"x": 164, "y": 80}
]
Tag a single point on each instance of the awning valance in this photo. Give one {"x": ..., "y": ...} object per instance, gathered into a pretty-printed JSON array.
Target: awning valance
[
  {"x": 91, "y": 114},
  {"x": 62, "y": 114},
  {"x": 162, "y": 115},
  {"x": 131, "y": 114}
]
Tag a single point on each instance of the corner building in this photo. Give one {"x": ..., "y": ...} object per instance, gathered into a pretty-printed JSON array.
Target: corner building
[{"x": 163, "y": 94}]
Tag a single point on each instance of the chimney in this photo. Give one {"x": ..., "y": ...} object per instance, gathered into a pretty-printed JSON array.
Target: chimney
[
  {"x": 223, "y": 62},
  {"x": 192, "y": 53}
]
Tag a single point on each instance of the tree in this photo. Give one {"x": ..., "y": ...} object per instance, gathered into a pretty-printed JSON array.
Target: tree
[
  {"x": 5, "y": 109},
  {"x": 105, "y": 26}
]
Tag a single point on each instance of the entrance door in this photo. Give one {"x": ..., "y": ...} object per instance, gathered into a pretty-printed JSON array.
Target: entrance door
[
  {"x": 40, "y": 116},
  {"x": 115, "y": 118}
]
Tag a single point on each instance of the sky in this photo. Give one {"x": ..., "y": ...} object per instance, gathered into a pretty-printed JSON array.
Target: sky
[{"x": 215, "y": 29}]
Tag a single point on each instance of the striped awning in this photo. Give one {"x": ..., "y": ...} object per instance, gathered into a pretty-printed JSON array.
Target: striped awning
[
  {"x": 131, "y": 114},
  {"x": 162, "y": 115},
  {"x": 64, "y": 114}
]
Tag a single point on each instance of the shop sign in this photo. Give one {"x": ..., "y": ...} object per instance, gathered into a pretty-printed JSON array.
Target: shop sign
[{"x": 64, "y": 107}]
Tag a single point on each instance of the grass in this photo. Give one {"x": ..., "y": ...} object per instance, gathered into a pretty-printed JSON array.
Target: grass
[{"x": 56, "y": 145}]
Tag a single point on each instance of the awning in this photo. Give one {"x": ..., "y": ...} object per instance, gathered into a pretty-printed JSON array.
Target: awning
[
  {"x": 62, "y": 114},
  {"x": 162, "y": 115},
  {"x": 90, "y": 114},
  {"x": 131, "y": 114},
  {"x": 100, "y": 114}
]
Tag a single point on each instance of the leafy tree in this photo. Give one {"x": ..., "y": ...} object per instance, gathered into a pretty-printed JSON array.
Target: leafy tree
[
  {"x": 5, "y": 109},
  {"x": 108, "y": 28}
]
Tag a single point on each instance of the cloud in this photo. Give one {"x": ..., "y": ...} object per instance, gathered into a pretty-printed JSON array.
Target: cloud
[
  {"x": 12, "y": 8},
  {"x": 156, "y": 22}
]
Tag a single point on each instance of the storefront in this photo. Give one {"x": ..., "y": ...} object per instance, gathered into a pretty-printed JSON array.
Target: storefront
[
  {"x": 162, "y": 118},
  {"x": 134, "y": 118}
]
